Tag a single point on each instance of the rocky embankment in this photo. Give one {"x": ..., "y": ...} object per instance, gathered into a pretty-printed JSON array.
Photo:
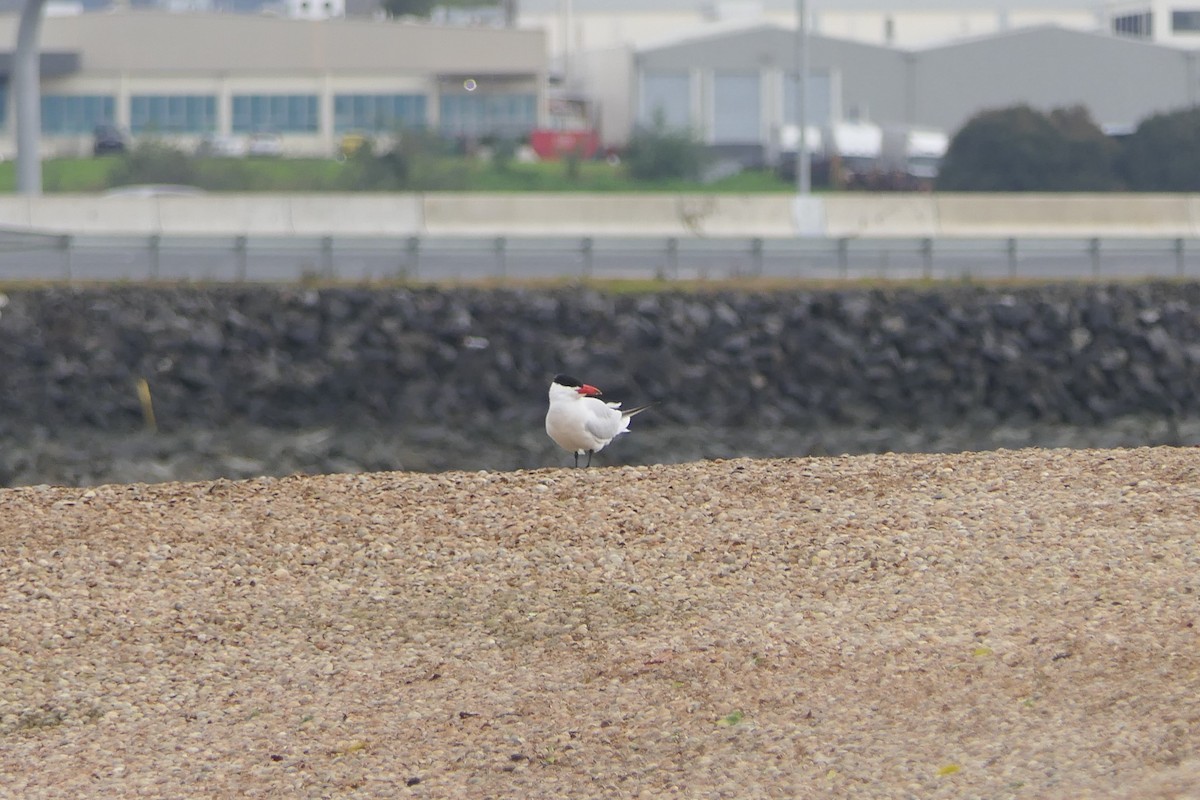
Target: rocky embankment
[{"x": 268, "y": 380}]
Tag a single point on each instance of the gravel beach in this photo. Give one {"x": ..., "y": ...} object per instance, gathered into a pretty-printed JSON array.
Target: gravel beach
[{"x": 1014, "y": 623}]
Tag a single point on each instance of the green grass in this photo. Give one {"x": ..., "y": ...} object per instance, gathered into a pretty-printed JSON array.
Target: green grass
[
  {"x": 63, "y": 174},
  {"x": 257, "y": 174},
  {"x": 268, "y": 174},
  {"x": 324, "y": 175},
  {"x": 599, "y": 176},
  {"x": 547, "y": 176}
]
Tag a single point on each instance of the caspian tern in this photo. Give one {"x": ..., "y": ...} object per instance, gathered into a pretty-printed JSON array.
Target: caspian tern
[{"x": 580, "y": 422}]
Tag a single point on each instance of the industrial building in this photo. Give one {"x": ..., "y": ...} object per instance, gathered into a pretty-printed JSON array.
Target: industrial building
[
  {"x": 734, "y": 84},
  {"x": 196, "y": 76}
]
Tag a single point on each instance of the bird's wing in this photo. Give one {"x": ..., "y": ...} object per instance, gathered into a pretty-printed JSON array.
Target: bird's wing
[{"x": 602, "y": 421}]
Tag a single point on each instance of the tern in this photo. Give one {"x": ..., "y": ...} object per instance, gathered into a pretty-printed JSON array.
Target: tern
[{"x": 579, "y": 422}]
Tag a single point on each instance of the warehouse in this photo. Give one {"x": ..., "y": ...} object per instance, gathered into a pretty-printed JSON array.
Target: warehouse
[{"x": 735, "y": 84}]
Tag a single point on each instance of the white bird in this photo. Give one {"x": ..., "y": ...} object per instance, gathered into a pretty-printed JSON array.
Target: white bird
[{"x": 581, "y": 423}]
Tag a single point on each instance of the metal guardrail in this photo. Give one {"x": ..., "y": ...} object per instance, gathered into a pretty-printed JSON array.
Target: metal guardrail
[{"x": 31, "y": 256}]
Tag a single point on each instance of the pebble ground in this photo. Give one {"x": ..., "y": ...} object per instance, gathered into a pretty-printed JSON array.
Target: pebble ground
[{"x": 980, "y": 625}]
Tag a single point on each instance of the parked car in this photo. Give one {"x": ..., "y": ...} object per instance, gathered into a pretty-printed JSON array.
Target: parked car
[
  {"x": 264, "y": 143},
  {"x": 221, "y": 146},
  {"x": 351, "y": 143},
  {"x": 108, "y": 139}
]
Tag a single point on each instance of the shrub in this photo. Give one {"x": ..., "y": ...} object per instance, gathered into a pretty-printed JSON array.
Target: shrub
[
  {"x": 661, "y": 153},
  {"x": 1022, "y": 149},
  {"x": 416, "y": 162},
  {"x": 152, "y": 161}
]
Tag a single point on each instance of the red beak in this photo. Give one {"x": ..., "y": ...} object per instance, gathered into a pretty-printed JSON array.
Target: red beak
[{"x": 589, "y": 390}]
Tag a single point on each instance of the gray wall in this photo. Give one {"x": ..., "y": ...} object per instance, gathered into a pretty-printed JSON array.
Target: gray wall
[
  {"x": 1119, "y": 80},
  {"x": 872, "y": 76}
]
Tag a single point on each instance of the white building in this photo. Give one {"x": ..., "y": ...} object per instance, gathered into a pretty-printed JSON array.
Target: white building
[
  {"x": 1170, "y": 22},
  {"x": 187, "y": 77}
]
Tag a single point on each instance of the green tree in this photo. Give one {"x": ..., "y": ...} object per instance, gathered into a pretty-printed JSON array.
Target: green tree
[
  {"x": 1163, "y": 154},
  {"x": 1021, "y": 149}
]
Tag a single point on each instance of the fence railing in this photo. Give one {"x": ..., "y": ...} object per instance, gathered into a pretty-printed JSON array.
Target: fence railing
[{"x": 31, "y": 256}]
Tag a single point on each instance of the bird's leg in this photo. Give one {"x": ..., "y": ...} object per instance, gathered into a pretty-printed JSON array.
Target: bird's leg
[
  {"x": 589, "y": 458},
  {"x": 576, "y": 459}
]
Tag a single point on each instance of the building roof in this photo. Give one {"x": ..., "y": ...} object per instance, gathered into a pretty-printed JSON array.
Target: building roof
[
  {"x": 1102, "y": 38},
  {"x": 814, "y": 6},
  {"x": 161, "y": 41}
]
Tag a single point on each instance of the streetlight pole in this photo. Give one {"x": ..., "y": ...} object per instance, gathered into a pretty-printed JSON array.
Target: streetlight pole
[
  {"x": 27, "y": 98},
  {"x": 803, "y": 167}
]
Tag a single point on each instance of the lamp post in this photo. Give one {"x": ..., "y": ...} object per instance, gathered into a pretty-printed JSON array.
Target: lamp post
[
  {"x": 803, "y": 166},
  {"x": 27, "y": 98}
]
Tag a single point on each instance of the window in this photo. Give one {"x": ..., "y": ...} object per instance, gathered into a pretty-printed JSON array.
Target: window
[
  {"x": 160, "y": 113},
  {"x": 64, "y": 114},
  {"x": 286, "y": 113},
  {"x": 666, "y": 95},
  {"x": 737, "y": 108},
  {"x": 506, "y": 115},
  {"x": 378, "y": 113},
  {"x": 1140, "y": 25},
  {"x": 1185, "y": 21}
]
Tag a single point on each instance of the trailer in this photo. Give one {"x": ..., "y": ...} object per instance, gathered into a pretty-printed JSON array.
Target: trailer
[
  {"x": 914, "y": 155},
  {"x": 853, "y": 154}
]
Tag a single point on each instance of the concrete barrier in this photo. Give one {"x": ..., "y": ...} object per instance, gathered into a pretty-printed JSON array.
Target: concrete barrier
[
  {"x": 1066, "y": 215},
  {"x": 359, "y": 214},
  {"x": 648, "y": 214},
  {"x": 225, "y": 215},
  {"x": 1194, "y": 213},
  {"x": 217, "y": 214},
  {"x": 501, "y": 214},
  {"x": 898, "y": 216},
  {"x": 110, "y": 215},
  {"x": 742, "y": 215},
  {"x": 684, "y": 216},
  {"x": 14, "y": 211},
  {"x": 287, "y": 215}
]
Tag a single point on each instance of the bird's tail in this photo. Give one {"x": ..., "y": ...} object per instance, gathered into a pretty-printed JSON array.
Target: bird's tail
[{"x": 627, "y": 413}]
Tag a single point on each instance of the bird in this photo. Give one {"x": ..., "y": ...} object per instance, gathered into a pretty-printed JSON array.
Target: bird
[{"x": 579, "y": 422}]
